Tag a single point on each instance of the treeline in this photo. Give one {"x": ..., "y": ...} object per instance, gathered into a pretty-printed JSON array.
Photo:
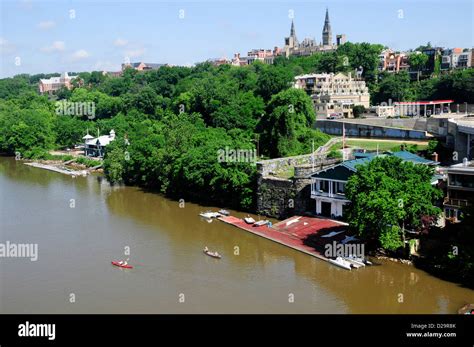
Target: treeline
[
  {"x": 171, "y": 124},
  {"x": 457, "y": 85}
]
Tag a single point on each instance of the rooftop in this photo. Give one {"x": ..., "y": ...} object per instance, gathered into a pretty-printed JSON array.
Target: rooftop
[
  {"x": 103, "y": 140},
  {"x": 464, "y": 166},
  {"x": 343, "y": 170}
]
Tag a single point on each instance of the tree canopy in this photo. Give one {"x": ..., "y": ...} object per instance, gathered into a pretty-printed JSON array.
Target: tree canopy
[{"x": 389, "y": 195}]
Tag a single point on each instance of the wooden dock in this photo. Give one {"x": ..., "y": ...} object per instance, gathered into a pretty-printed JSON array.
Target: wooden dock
[
  {"x": 291, "y": 232},
  {"x": 58, "y": 169}
]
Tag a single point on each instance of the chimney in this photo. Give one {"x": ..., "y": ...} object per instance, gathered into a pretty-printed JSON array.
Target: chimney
[{"x": 434, "y": 156}]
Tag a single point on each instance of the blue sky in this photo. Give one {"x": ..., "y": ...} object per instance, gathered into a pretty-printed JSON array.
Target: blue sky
[{"x": 47, "y": 36}]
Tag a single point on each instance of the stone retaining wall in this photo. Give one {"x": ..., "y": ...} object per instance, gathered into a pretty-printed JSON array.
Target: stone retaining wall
[
  {"x": 282, "y": 198},
  {"x": 367, "y": 130}
]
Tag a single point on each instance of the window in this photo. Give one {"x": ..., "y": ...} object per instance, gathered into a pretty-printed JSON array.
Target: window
[
  {"x": 340, "y": 187},
  {"x": 324, "y": 186}
]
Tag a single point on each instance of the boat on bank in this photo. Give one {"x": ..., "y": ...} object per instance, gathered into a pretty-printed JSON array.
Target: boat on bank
[
  {"x": 261, "y": 223},
  {"x": 209, "y": 214},
  {"x": 249, "y": 220},
  {"x": 339, "y": 261},
  {"x": 356, "y": 262}
]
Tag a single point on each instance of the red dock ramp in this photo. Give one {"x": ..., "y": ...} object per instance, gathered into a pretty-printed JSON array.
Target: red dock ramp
[{"x": 291, "y": 232}]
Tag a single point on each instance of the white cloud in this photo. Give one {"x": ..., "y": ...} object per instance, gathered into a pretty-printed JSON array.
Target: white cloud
[
  {"x": 134, "y": 53},
  {"x": 57, "y": 46},
  {"x": 46, "y": 24},
  {"x": 6, "y": 47},
  {"x": 80, "y": 54},
  {"x": 120, "y": 42}
]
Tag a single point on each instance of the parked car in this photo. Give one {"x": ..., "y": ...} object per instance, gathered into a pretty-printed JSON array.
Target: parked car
[{"x": 335, "y": 116}]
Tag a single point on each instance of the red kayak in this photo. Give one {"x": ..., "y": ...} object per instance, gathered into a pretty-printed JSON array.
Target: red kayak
[{"x": 116, "y": 263}]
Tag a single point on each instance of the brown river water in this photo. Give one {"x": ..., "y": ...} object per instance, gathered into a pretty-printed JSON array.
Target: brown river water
[{"x": 78, "y": 238}]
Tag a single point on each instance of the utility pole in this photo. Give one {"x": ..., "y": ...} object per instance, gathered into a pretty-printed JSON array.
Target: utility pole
[{"x": 343, "y": 141}]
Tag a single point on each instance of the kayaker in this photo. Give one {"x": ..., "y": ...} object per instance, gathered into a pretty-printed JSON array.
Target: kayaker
[{"x": 206, "y": 249}]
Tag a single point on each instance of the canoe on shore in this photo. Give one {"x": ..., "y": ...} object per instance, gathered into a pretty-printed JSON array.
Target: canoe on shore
[
  {"x": 210, "y": 214},
  {"x": 249, "y": 220},
  {"x": 355, "y": 261},
  {"x": 341, "y": 263}
]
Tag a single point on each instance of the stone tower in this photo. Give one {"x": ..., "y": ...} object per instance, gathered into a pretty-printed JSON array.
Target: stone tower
[
  {"x": 327, "y": 34},
  {"x": 292, "y": 41}
]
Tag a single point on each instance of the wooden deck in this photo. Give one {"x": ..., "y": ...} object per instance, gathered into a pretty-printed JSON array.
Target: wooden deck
[
  {"x": 291, "y": 232},
  {"x": 58, "y": 169}
]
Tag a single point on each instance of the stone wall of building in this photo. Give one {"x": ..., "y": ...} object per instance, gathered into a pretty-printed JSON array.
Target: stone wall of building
[
  {"x": 275, "y": 166},
  {"x": 281, "y": 198},
  {"x": 275, "y": 197}
]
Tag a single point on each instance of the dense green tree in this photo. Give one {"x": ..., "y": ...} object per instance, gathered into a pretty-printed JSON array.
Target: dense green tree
[
  {"x": 286, "y": 127},
  {"x": 394, "y": 87},
  {"x": 418, "y": 62},
  {"x": 69, "y": 130},
  {"x": 25, "y": 130},
  {"x": 330, "y": 63},
  {"x": 362, "y": 55},
  {"x": 358, "y": 110},
  {"x": 12, "y": 87},
  {"x": 389, "y": 195},
  {"x": 242, "y": 111},
  {"x": 115, "y": 161},
  {"x": 272, "y": 80},
  {"x": 458, "y": 85}
]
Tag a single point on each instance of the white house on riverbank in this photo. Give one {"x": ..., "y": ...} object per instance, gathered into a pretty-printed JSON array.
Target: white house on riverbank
[
  {"x": 95, "y": 146},
  {"x": 328, "y": 185}
]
